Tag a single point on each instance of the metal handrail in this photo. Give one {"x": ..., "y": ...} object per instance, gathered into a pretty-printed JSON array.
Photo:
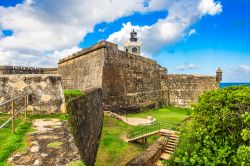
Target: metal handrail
[
  {"x": 8, "y": 101},
  {"x": 151, "y": 128},
  {"x": 26, "y": 97}
]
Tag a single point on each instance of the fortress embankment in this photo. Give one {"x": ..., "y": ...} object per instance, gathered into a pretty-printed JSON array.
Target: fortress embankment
[{"x": 130, "y": 82}]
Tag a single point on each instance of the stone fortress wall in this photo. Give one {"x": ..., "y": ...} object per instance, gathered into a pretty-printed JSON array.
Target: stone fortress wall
[
  {"x": 26, "y": 70},
  {"x": 84, "y": 69},
  {"x": 183, "y": 90},
  {"x": 48, "y": 93},
  {"x": 130, "y": 83},
  {"x": 44, "y": 82}
]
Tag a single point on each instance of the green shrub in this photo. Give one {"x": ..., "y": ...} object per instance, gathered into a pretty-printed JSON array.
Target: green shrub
[
  {"x": 220, "y": 131},
  {"x": 70, "y": 94}
]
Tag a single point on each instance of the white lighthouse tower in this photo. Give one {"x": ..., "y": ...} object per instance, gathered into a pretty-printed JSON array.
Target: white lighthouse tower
[{"x": 133, "y": 45}]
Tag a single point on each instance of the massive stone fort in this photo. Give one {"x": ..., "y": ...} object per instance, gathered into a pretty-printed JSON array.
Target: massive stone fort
[{"x": 130, "y": 82}]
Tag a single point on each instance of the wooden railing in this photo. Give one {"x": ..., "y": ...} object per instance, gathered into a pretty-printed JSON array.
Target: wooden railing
[
  {"x": 16, "y": 106},
  {"x": 154, "y": 127}
]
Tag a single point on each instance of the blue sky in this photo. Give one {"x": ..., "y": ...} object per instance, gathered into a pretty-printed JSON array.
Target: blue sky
[{"x": 215, "y": 36}]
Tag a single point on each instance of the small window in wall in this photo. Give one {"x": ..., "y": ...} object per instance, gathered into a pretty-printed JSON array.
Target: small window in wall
[
  {"x": 126, "y": 50},
  {"x": 134, "y": 49}
]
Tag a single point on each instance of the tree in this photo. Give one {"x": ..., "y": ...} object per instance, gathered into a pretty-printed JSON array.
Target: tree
[{"x": 219, "y": 133}]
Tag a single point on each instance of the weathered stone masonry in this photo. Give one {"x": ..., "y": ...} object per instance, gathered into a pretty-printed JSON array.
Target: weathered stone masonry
[
  {"x": 130, "y": 83},
  {"x": 26, "y": 70},
  {"x": 183, "y": 90},
  {"x": 48, "y": 94},
  {"x": 86, "y": 119}
]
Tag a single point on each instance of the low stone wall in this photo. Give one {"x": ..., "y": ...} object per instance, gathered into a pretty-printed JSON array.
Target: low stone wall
[
  {"x": 26, "y": 70},
  {"x": 47, "y": 97},
  {"x": 183, "y": 90},
  {"x": 86, "y": 119},
  {"x": 151, "y": 155}
]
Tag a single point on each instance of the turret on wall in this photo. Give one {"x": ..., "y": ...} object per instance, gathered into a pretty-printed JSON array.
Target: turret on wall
[{"x": 219, "y": 75}]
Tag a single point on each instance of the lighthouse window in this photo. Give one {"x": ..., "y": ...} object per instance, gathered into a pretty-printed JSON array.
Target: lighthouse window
[{"x": 134, "y": 49}]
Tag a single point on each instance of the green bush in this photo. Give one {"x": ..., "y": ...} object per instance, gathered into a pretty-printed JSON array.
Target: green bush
[
  {"x": 70, "y": 94},
  {"x": 220, "y": 131}
]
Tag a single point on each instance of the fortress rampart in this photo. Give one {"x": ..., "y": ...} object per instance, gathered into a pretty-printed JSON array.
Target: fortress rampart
[
  {"x": 130, "y": 82},
  {"x": 183, "y": 90},
  {"x": 26, "y": 70}
]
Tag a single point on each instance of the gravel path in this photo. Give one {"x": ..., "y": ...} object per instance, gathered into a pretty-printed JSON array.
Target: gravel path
[{"x": 51, "y": 145}]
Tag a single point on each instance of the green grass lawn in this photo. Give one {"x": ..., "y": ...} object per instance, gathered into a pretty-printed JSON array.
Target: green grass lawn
[
  {"x": 10, "y": 142},
  {"x": 164, "y": 114}
]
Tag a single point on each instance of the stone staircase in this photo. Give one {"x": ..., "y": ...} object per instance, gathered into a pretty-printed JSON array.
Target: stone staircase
[{"x": 169, "y": 149}]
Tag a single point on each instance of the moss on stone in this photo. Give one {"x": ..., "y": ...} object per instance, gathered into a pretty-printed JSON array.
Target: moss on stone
[
  {"x": 70, "y": 94},
  {"x": 76, "y": 163},
  {"x": 54, "y": 144}
]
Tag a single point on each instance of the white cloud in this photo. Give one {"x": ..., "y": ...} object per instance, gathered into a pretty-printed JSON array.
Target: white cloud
[
  {"x": 187, "y": 66},
  {"x": 45, "y": 29},
  {"x": 244, "y": 68},
  {"x": 42, "y": 26},
  {"x": 210, "y": 7},
  {"x": 34, "y": 58},
  {"x": 191, "y": 32},
  {"x": 181, "y": 15},
  {"x": 102, "y": 29}
]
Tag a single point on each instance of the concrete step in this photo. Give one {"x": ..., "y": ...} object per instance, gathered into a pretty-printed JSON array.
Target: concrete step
[
  {"x": 168, "y": 151},
  {"x": 165, "y": 156},
  {"x": 158, "y": 163},
  {"x": 173, "y": 141},
  {"x": 170, "y": 148},
  {"x": 175, "y": 138}
]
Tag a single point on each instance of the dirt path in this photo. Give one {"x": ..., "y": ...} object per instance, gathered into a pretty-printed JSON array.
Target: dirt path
[{"x": 51, "y": 145}]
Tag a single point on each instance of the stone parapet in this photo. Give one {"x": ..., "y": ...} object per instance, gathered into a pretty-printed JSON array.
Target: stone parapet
[
  {"x": 26, "y": 70},
  {"x": 100, "y": 45}
]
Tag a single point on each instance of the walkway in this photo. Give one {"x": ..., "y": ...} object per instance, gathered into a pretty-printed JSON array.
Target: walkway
[
  {"x": 51, "y": 144},
  {"x": 162, "y": 132},
  {"x": 130, "y": 121}
]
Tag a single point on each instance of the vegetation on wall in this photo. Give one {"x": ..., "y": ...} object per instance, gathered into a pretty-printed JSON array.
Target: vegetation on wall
[
  {"x": 71, "y": 94},
  {"x": 220, "y": 131}
]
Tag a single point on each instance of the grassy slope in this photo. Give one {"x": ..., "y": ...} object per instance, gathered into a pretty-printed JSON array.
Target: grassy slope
[{"x": 114, "y": 151}]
